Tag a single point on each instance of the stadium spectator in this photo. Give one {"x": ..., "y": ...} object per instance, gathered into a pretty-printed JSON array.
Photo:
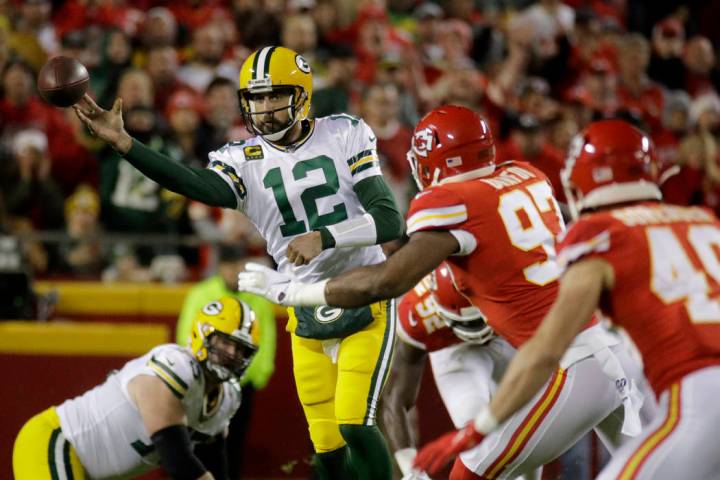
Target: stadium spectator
[
  {"x": 21, "y": 109},
  {"x": 528, "y": 143},
  {"x": 299, "y": 33},
  {"x": 666, "y": 65},
  {"x": 338, "y": 85},
  {"x": 162, "y": 66},
  {"x": 381, "y": 111},
  {"x": 257, "y": 24},
  {"x": 183, "y": 113},
  {"x": 132, "y": 203},
  {"x": 701, "y": 70},
  {"x": 159, "y": 28},
  {"x": 33, "y": 36},
  {"x": 428, "y": 23},
  {"x": 114, "y": 60},
  {"x": 222, "y": 113},
  {"x": 34, "y": 195},
  {"x": 636, "y": 91},
  {"x": 83, "y": 255},
  {"x": 208, "y": 46}
]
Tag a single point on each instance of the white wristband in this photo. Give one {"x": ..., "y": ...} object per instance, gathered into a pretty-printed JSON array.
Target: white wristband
[
  {"x": 404, "y": 458},
  {"x": 355, "y": 232},
  {"x": 485, "y": 422},
  {"x": 305, "y": 294}
]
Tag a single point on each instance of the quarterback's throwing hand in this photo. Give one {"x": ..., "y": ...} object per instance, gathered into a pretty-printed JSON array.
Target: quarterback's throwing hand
[
  {"x": 435, "y": 455},
  {"x": 304, "y": 248},
  {"x": 264, "y": 281}
]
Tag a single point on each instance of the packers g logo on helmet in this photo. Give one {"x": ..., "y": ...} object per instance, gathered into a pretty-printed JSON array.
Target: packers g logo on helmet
[
  {"x": 233, "y": 321},
  {"x": 275, "y": 70}
]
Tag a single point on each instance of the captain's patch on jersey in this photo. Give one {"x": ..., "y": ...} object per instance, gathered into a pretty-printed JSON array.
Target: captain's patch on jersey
[{"x": 253, "y": 152}]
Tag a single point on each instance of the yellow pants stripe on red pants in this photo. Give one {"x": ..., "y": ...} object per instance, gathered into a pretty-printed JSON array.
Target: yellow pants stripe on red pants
[
  {"x": 41, "y": 451},
  {"x": 345, "y": 392}
]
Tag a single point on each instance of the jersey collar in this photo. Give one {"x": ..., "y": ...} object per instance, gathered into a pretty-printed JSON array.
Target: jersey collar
[{"x": 307, "y": 133}]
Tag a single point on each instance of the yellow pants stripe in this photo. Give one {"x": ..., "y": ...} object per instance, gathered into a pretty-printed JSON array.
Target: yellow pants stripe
[{"x": 632, "y": 467}]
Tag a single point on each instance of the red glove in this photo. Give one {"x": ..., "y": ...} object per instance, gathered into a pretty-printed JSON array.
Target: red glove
[{"x": 435, "y": 455}]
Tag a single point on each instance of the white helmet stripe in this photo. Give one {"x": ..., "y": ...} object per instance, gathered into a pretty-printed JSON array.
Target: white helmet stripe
[{"x": 262, "y": 68}]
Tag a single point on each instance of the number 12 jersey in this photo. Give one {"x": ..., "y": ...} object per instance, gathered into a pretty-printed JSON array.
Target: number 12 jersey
[{"x": 287, "y": 193}]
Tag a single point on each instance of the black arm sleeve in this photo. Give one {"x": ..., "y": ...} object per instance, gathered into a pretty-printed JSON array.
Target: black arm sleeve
[
  {"x": 176, "y": 455},
  {"x": 195, "y": 183},
  {"x": 214, "y": 456}
]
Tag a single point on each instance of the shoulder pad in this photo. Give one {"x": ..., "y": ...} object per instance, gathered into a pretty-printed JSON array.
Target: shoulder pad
[{"x": 175, "y": 366}]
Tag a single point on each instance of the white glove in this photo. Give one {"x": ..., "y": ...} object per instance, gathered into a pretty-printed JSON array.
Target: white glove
[
  {"x": 264, "y": 281},
  {"x": 279, "y": 287}
]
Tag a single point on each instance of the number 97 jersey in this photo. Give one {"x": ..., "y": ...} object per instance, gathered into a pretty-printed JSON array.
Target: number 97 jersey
[
  {"x": 666, "y": 291},
  {"x": 287, "y": 193},
  {"x": 506, "y": 224}
]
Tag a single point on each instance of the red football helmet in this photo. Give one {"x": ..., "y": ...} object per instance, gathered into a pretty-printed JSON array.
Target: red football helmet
[
  {"x": 455, "y": 308},
  {"x": 451, "y": 142},
  {"x": 609, "y": 162}
]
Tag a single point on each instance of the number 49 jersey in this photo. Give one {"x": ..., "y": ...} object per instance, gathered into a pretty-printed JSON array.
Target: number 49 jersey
[
  {"x": 506, "y": 224},
  {"x": 289, "y": 193},
  {"x": 667, "y": 282}
]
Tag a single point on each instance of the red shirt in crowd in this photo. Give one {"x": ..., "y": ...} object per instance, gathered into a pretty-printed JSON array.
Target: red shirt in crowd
[
  {"x": 549, "y": 160},
  {"x": 72, "y": 164}
]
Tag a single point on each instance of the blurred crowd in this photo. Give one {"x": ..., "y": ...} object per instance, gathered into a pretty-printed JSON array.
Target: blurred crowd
[{"x": 538, "y": 70}]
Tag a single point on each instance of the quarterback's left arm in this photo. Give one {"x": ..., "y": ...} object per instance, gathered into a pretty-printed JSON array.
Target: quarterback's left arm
[
  {"x": 381, "y": 223},
  {"x": 534, "y": 362},
  {"x": 361, "y": 286}
]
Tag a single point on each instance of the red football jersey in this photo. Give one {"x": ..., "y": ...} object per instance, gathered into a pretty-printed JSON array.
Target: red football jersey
[
  {"x": 667, "y": 282},
  {"x": 419, "y": 323},
  {"x": 512, "y": 220}
]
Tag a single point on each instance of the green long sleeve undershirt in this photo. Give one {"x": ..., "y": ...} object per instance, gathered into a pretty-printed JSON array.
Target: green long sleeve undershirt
[
  {"x": 206, "y": 186},
  {"x": 195, "y": 183}
]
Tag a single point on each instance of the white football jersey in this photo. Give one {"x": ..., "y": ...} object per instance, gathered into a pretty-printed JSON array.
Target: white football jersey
[
  {"x": 287, "y": 193},
  {"x": 105, "y": 427}
]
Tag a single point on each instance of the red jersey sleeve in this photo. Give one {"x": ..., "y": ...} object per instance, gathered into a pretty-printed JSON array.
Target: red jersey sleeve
[
  {"x": 436, "y": 209},
  {"x": 588, "y": 237}
]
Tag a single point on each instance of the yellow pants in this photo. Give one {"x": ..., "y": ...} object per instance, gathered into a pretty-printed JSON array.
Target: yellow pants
[
  {"x": 346, "y": 392},
  {"x": 41, "y": 451}
]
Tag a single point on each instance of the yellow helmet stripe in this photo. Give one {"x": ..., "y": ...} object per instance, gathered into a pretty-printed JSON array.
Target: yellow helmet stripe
[{"x": 261, "y": 65}]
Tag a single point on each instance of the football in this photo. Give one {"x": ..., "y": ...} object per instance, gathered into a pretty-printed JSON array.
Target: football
[{"x": 63, "y": 81}]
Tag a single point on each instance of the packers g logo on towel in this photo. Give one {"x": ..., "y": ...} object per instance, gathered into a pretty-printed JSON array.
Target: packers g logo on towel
[{"x": 325, "y": 314}]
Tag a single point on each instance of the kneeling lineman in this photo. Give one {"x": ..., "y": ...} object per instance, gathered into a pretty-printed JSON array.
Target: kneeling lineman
[{"x": 152, "y": 412}]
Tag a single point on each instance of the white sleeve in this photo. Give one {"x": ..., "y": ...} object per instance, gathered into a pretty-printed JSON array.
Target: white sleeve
[
  {"x": 363, "y": 160},
  {"x": 467, "y": 241},
  {"x": 223, "y": 162},
  {"x": 175, "y": 367}
]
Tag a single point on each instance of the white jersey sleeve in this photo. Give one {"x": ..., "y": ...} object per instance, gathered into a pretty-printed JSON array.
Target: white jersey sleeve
[
  {"x": 226, "y": 162},
  {"x": 178, "y": 371},
  {"x": 361, "y": 147}
]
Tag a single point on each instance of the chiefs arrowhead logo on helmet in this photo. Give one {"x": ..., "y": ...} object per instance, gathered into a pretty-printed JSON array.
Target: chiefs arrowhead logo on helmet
[
  {"x": 423, "y": 142},
  {"x": 451, "y": 144}
]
